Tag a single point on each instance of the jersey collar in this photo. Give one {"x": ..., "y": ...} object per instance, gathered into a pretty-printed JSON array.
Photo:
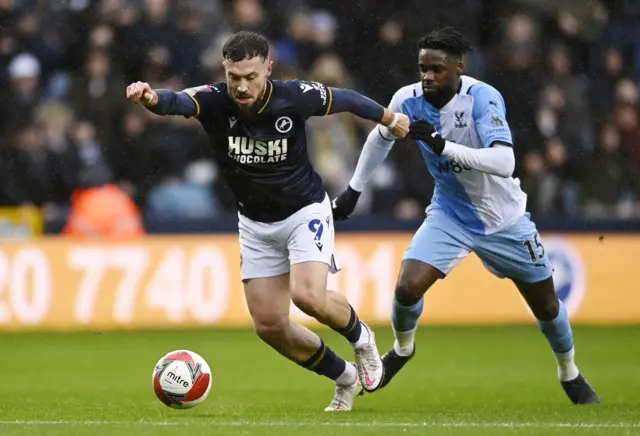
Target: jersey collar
[
  {"x": 447, "y": 107},
  {"x": 266, "y": 98}
]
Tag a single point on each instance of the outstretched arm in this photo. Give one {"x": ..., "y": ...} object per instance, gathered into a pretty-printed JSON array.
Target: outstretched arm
[
  {"x": 316, "y": 99},
  {"x": 162, "y": 101},
  {"x": 348, "y": 100}
]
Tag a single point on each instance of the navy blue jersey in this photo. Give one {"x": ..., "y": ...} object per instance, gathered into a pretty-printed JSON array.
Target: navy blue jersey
[{"x": 263, "y": 155}]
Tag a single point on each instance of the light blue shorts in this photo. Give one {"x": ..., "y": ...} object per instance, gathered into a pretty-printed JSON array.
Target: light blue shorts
[{"x": 515, "y": 252}]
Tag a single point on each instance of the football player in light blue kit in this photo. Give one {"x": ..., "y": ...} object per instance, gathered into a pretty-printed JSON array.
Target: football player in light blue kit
[{"x": 461, "y": 127}]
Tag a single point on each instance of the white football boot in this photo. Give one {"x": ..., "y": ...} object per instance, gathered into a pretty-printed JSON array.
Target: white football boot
[
  {"x": 370, "y": 369},
  {"x": 345, "y": 395}
]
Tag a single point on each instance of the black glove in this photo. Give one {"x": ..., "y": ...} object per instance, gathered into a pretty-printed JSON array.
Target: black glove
[
  {"x": 344, "y": 204},
  {"x": 423, "y": 131}
]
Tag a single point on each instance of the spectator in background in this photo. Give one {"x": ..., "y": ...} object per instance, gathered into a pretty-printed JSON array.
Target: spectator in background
[
  {"x": 559, "y": 192},
  {"x": 25, "y": 164},
  {"x": 8, "y": 48},
  {"x": 24, "y": 93},
  {"x": 294, "y": 47},
  {"x": 56, "y": 120},
  {"x": 608, "y": 70},
  {"x": 625, "y": 117},
  {"x": 99, "y": 208},
  {"x": 572, "y": 112},
  {"x": 612, "y": 183},
  {"x": 514, "y": 74},
  {"x": 92, "y": 95},
  {"x": 568, "y": 70},
  {"x": 334, "y": 141},
  {"x": 190, "y": 197}
]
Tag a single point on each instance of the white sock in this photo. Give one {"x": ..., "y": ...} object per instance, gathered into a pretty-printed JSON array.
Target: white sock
[
  {"x": 348, "y": 377},
  {"x": 403, "y": 345},
  {"x": 567, "y": 369},
  {"x": 364, "y": 338}
]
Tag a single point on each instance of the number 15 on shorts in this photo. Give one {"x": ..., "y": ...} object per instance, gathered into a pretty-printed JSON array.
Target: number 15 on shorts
[{"x": 535, "y": 248}]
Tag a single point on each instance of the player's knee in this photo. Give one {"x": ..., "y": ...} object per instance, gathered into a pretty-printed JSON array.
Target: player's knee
[
  {"x": 311, "y": 303},
  {"x": 408, "y": 291},
  {"x": 271, "y": 329},
  {"x": 547, "y": 309}
]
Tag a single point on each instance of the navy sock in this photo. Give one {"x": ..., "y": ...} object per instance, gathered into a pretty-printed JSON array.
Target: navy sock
[
  {"x": 325, "y": 362},
  {"x": 353, "y": 330}
]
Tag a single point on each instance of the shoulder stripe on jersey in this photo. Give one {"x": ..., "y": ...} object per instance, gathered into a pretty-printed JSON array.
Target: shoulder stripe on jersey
[
  {"x": 414, "y": 92},
  {"x": 197, "y": 104},
  {"x": 330, "y": 101},
  {"x": 270, "y": 85},
  {"x": 469, "y": 90}
]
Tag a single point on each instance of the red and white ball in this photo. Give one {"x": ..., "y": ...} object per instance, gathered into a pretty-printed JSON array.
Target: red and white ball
[{"x": 182, "y": 379}]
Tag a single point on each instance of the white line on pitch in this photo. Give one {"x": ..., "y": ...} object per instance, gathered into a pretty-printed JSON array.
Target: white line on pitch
[{"x": 210, "y": 421}]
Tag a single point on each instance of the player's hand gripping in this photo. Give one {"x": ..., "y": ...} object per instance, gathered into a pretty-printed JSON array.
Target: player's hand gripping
[
  {"x": 396, "y": 122},
  {"x": 142, "y": 93},
  {"x": 423, "y": 131},
  {"x": 344, "y": 204}
]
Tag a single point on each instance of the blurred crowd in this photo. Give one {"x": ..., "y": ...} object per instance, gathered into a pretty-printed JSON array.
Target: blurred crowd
[{"x": 568, "y": 69}]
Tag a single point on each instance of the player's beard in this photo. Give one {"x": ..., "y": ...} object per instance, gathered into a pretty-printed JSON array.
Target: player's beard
[
  {"x": 238, "y": 99},
  {"x": 439, "y": 96},
  {"x": 252, "y": 100}
]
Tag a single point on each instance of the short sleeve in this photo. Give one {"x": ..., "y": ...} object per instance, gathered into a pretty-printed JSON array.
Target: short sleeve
[
  {"x": 206, "y": 97},
  {"x": 313, "y": 98},
  {"x": 489, "y": 115}
]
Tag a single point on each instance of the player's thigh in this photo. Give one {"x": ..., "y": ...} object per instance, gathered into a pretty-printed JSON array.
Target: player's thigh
[
  {"x": 311, "y": 248},
  {"x": 440, "y": 243},
  {"x": 516, "y": 252},
  {"x": 261, "y": 255},
  {"x": 268, "y": 301}
]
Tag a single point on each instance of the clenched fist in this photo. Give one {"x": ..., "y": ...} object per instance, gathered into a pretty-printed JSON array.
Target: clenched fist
[
  {"x": 398, "y": 127},
  {"x": 141, "y": 93},
  {"x": 401, "y": 129}
]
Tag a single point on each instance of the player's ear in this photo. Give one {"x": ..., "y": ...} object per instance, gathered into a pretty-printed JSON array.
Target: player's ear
[
  {"x": 269, "y": 68},
  {"x": 460, "y": 68}
]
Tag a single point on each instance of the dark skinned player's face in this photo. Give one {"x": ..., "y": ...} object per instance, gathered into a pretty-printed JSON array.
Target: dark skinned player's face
[{"x": 440, "y": 74}]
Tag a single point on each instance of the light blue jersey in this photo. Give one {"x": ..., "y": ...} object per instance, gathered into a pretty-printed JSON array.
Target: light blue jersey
[
  {"x": 472, "y": 211},
  {"x": 475, "y": 117}
]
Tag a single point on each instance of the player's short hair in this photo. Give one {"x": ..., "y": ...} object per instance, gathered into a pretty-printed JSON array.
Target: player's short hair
[
  {"x": 245, "y": 45},
  {"x": 447, "y": 39}
]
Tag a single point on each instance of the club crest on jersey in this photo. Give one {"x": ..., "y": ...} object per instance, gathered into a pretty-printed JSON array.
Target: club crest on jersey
[
  {"x": 284, "y": 124},
  {"x": 460, "y": 121},
  {"x": 252, "y": 151},
  {"x": 496, "y": 121}
]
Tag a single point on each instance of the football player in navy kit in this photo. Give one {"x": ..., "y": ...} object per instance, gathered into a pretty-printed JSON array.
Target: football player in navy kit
[{"x": 257, "y": 129}]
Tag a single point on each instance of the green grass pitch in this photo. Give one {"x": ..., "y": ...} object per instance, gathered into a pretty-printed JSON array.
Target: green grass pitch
[{"x": 464, "y": 381}]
